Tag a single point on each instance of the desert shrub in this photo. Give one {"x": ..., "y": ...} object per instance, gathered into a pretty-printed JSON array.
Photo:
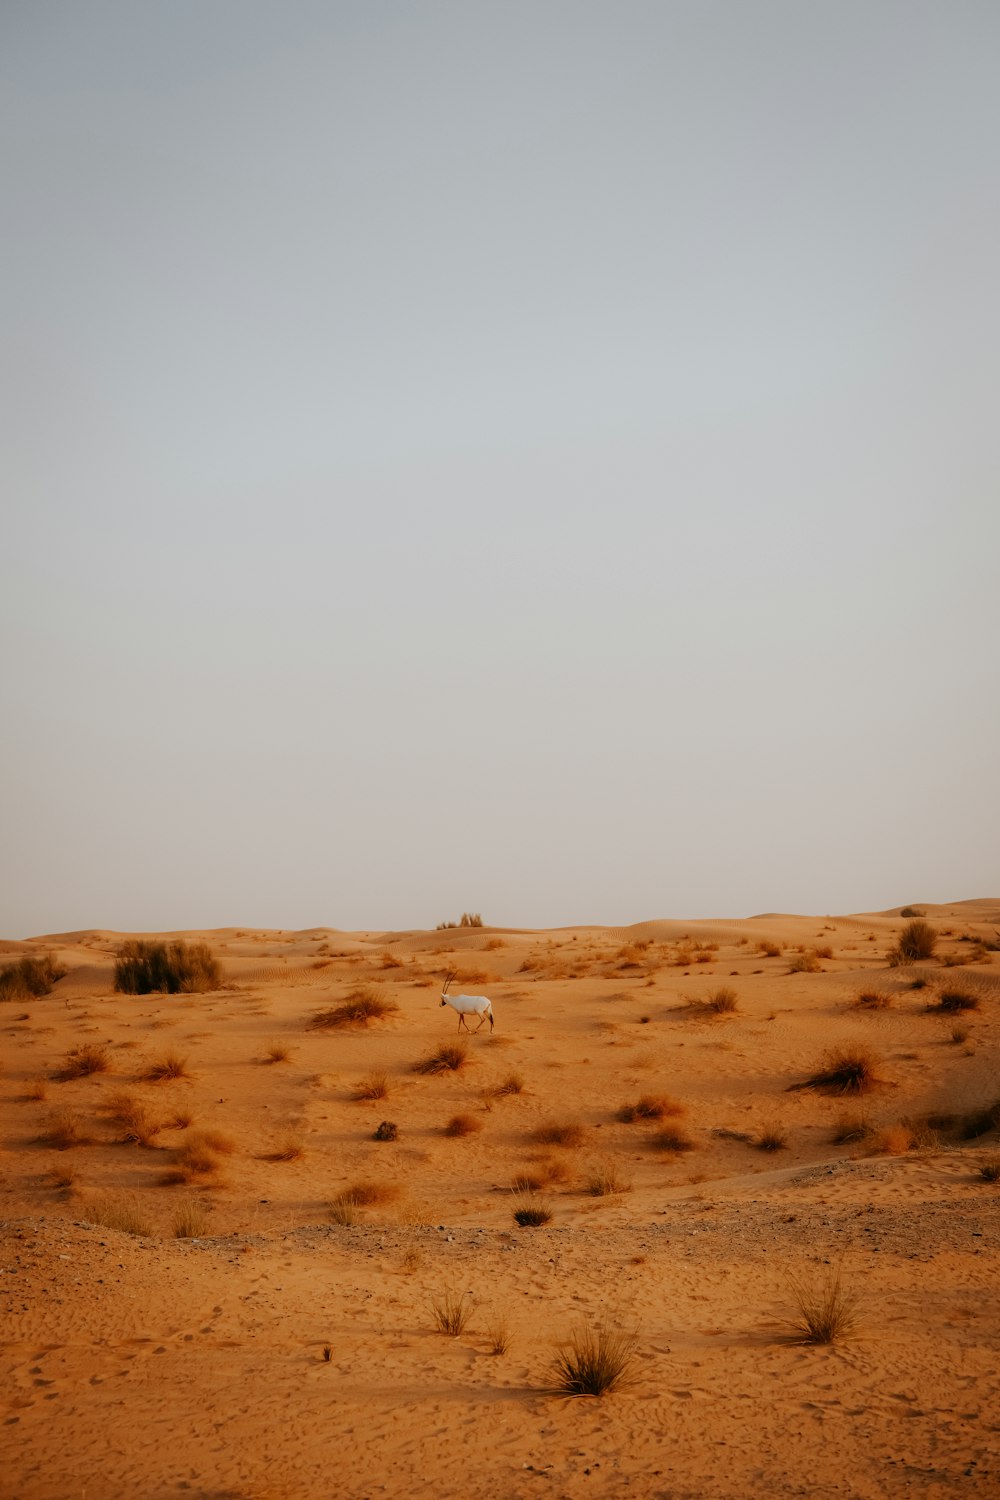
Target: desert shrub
[
  {"x": 512, "y": 1084},
  {"x": 387, "y": 1131},
  {"x": 144, "y": 967},
  {"x": 650, "y": 1107},
  {"x": 30, "y": 977},
  {"x": 673, "y": 1138},
  {"x": 873, "y": 1000},
  {"x": 532, "y": 1212},
  {"x": 953, "y": 1002},
  {"x": 444, "y": 926},
  {"x": 120, "y": 1211},
  {"x": 826, "y": 1310},
  {"x": 448, "y": 1058},
  {"x": 772, "y": 1137},
  {"x": 848, "y": 1069},
  {"x": 989, "y": 1170},
  {"x": 359, "y": 1008},
  {"x": 170, "y": 1065},
  {"x": 911, "y": 911},
  {"x": 603, "y": 1180},
  {"x": 850, "y": 1129},
  {"x": 806, "y": 962},
  {"x": 917, "y": 940},
  {"x": 722, "y": 1001},
  {"x": 823, "y": 950},
  {"x": 470, "y": 919},
  {"x": 86, "y": 1059},
  {"x": 891, "y": 1140},
  {"x": 452, "y": 1312},
  {"x": 389, "y": 960},
  {"x": 132, "y": 1114},
  {"x": 463, "y": 1125},
  {"x": 190, "y": 1221},
  {"x": 373, "y": 1086},
  {"x": 594, "y": 1361},
  {"x": 64, "y": 1129},
  {"x": 560, "y": 1133},
  {"x": 767, "y": 949}
]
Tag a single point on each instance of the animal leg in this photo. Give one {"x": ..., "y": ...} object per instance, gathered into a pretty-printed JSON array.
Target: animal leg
[{"x": 461, "y": 1021}]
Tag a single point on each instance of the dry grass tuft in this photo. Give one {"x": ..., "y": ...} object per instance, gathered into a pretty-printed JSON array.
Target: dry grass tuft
[
  {"x": 851, "y": 1129},
  {"x": 825, "y": 1312},
  {"x": 917, "y": 940},
  {"x": 37, "y": 1089},
  {"x": 463, "y": 1125},
  {"x": 373, "y": 1086},
  {"x": 360, "y": 1007},
  {"x": 132, "y": 1114},
  {"x": 120, "y": 1211},
  {"x": 560, "y": 1133},
  {"x": 201, "y": 1155},
  {"x": 277, "y": 1052},
  {"x": 722, "y": 1002},
  {"x": 806, "y": 962},
  {"x": 86, "y": 1059},
  {"x": 891, "y": 1140},
  {"x": 532, "y": 1212},
  {"x": 594, "y": 1361},
  {"x": 772, "y": 1137},
  {"x": 30, "y": 977},
  {"x": 604, "y": 1180},
  {"x": 651, "y": 1107},
  {"x": 873, "y": 1000},
  {"x": 979, "y": 1121},
  {"x": 365, "y": 1194},
  {"x": 989, "y": 1170},
  {"x": 190, "y": 1221},
  {"x": 290, "y": 1147},
  {"x": 848, "y": 1069},
  {"x": 452, "y": 1313},
  {"x": 450, "y": 1057},
  {"x": 512, "y": 1084},
  {"x": 64, "y": 1129},
  {"x": 162, "y": 1069},
  {"x": 498, "y": 1335},
  {"x": 144, "y": 967},
  {"x": 954, "y": 1002},
  {"x": 673, "y": 1138},
  {"x": 768, "y": 949}
]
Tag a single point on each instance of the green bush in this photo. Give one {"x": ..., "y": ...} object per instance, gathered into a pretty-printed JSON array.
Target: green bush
[{"x": 143, "y": 967}]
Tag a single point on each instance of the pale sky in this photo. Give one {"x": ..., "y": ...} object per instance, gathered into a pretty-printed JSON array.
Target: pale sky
[{"x": 532, "y": 458}]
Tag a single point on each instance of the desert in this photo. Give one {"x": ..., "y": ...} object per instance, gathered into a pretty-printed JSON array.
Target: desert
[{"x": 300, "y": 1234}]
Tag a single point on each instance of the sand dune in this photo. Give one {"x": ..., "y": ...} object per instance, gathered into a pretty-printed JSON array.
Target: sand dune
[{"x": 149, "y": 1365}]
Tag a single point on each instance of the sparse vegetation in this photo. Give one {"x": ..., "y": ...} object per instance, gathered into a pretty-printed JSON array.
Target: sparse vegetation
[
  {"x": 373, "y": 1086},
  {"x": 989, "y": 1170},
  {"x": 767, "y": 949},
  {"x": 30, "y": 977},
  {"x": 387, "y": 1131},
  {"x": 594, "y": 1361},
  {"x": 470, "y": 919},
  {"x": 532, "y": 1212},
  {"x": 64, "y": 1129},
  {"x": 162, "y": 1069},
  {"x": 953, "y": 1002},
  {"x": 917, "y": 940},
  {"x": 722, "y": 1001},
  {"x": 452, "y": 1312},
  {"x": 673, "y": 1138},
  {"x": 361, "y": 1006},
  {"x": 873, "y": 1000},
  {"x": 450, "y": 1057},
  {"x": 460, "y": 1125},
  {"x": 911, "y": 911},
  {"x": 604, "y": 1180},
  {"x": 277, "y": 1052},
  {"x": 290, "y": 1147},
  {"x": 826, "y": 1311},
  {"x": 560, "y": 1133},
  {"x": 848, "y": 1069},
  {"x": 190, "y": 1221},
  {"x": 144, "y": 967},
  {"x": 365, "y": 1194},
  {"x": 512, "y": 1084},
  {"x": 498, "y": 1335},
  {"x": 979, "y": 1122},
  {"x": 86, "y": 1059},
  {"x": 851, "y": 1129},
  {"x": 132, "y": 1114},
  {"x": 806, "y": 962},
  {"x": 201, "y": 1155},
  {"x": 120, "y": 1211},
  {"x": 650, "y": 1107},
  {"x": 772, "y": 1137}
]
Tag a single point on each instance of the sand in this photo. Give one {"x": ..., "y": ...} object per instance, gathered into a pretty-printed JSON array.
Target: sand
[{"x": 279, "y": 1353}]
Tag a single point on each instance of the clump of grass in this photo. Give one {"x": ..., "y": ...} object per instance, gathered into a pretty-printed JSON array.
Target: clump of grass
[
  {"x": 891, "y": 1140},
  {"x": 470, "y": 919},
  {"x": 359, "y": 1008},
  {"x": 560, "y": 1133},
  {"x": 527, "y": 1182},
  {"x": 365, "y": 1194},
  {"x": 532, "y": 1212},
  {"x": 162, "y": 1069},
  {"x": 452, "y": 1312},
  {"x": 120, "y": 1211},
  {"x": 651, "y": 1107},
  {"x": 498, "y": 1335},
  {"x": 388, "y": 1130},
  {"x": 512, "y": 1084},
  {"x": 202, "y": 1153},
  {"x": 373, "y": 1086},
  {"x": 954, "y": 1002},
  {"x": 86, "y": 1059},
  {"x": 594, "y": 1361},
  {"x": 277, "y": 1052},
  {"x": 772, "y": 1137},
  {"x": 344, "y": 1213},
  {"x": 911, "y": 911},
  {"x": 412, "y": 1260},
  {"x": 959, "y": 1034},
  {"x": 989, "y": 1170},
  {"x": 917, "y": 940},
  {"x": 806, "y": 962},
  {"x": 767, "y": 949},
  {"x": 450, "y": 1057},
  {"x": 979, "y": 1121},
  {"x": 37, "y": 1089},
  {"x": 826, "y": 1310},
  {"x": 132, "y": 1114},
  {"x": 920, "y": 983},
  {"x": 463, "y": 1125},
  {"x": 849, "y": 1069},
  {"x": 190, "y": 1221},
  {"x": 851, "y": 1129},
  {"x": 873, "y": 1000},
  {"x": 722, "y": 1001},
  {"x": 290, "y": 1147},
  {"x": 604, "y": 1180},
  {"x": 30, "y": 977},
  {"x": 673, "y": 1138},
  {"x": 64, "y": 1129},
  {"x": 145, "y": 967}
]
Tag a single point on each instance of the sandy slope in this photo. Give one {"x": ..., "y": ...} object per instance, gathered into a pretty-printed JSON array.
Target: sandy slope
[{"x": 158, "y": 1367}]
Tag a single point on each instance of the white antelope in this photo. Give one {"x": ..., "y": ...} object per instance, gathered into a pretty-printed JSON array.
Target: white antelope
[{"x": 467, "y": 1005}]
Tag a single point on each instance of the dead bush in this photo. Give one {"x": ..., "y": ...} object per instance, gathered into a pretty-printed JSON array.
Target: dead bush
[
  {"x": 651, "y": 1107},
  {"x": 848, "y": 1069},
  {"x": 460, "y": 1125},
  {"x": 84, "y": 1060},
  {"x": 361, "y": 1007},
  {"x": 560, "y": 1133}
]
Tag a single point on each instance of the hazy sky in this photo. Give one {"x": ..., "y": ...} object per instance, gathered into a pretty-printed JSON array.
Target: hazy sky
[{"x": 537, "y": 458}]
